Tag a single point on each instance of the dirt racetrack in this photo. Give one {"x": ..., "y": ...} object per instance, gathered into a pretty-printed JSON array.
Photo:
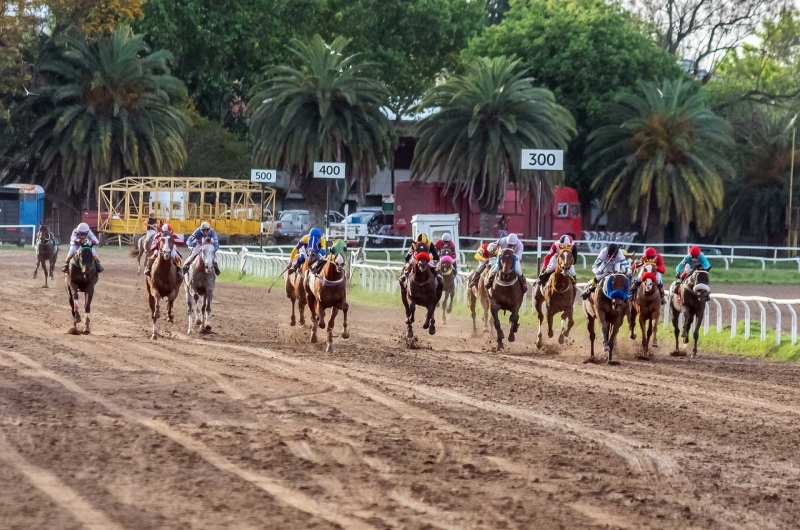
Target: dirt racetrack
[{"x": 250, "y": 427}]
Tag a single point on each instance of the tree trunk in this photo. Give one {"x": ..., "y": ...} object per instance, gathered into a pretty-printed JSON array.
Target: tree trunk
[
  {"x": 314, "y": 192},
  {"x": 655, "y": 230},
  {"x": 488, "y": 225}
]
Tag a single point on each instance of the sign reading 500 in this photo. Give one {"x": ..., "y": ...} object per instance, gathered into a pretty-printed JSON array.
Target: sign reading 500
[{"x": 329, "y": 170}]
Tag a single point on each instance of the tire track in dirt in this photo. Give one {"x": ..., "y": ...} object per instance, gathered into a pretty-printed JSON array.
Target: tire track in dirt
[{"x": 48, "y": 483}]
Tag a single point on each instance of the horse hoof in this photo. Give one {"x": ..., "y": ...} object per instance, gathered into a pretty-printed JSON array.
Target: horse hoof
[
  {"x": 500, "y": 345},
  {"x": 606, "y": 349},
  {"x": 321, "y": 324},
  {"x": 345, "y": 334},
  {"x": 591, "y": 360},
  {"x": 539, "y": 343},
  {"x": 449, "y": 309},
  {"x": 655, "y": 344},
  {"x": 426, "y": 325},
  {"x": 677, "y": 353},
  {"x": 511, "y": 337},
  {"x": 549, "y": 334},
  {"x": 561, "y": 339},
  {"x": 86, "y": 331},
  {"x": 171, "y": 320},
  {"x": 432, "y": 330},
  {"x": 633, "y": 337},
  {"x": 313, "y": 339},
  {"x": 74, "y": 331},
  {"x": 45, "y": 286},
  {"x": 292, "y": 322},
  {"x": 643, "y": 357},
  {"x": 207, "y": 329},
  {"x": 613, "y": 363},
  {"x": 409, "y": 334},
  {"x": 694, "y": 355}
]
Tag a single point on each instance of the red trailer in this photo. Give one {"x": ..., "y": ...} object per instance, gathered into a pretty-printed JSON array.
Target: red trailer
[{"x": 563, "y": 216}]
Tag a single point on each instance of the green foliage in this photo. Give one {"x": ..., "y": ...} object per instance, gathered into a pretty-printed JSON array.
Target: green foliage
[
  {"x": 327, "y": 109},
  {"x": 104, "y": 110},
  {"x": 664, "y": 150},
  {"x": 487, "y": 116},
  {"x": 222, "y": 47},
  {"x": 214, "y": 151},
  {"x": 585, "y": 51}
]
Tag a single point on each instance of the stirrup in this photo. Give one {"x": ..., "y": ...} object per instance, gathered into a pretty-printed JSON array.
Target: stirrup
[{"x": 65, "y": 268}]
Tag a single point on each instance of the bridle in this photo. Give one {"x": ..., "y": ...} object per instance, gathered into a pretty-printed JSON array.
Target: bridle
[
  {"x": 166, "y": 246},
  {"x": 562, "y": 269}
]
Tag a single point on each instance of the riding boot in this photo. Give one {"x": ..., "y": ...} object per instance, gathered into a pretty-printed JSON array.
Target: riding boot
[
  {"x": 148, "y": 266},
  {"x": 97, "y": 265},
  {"x": 187, "y": 264},
  {"x": 632, "y": 294},
  {"x": 544, "y": 276},
  {"x": 589, "y": 289},
  {"x": 524, "y": 284},
  {"x": 663, "y": 296},
  {"x": 216, "y": 269},
  {"x": 65, "y": 268}
]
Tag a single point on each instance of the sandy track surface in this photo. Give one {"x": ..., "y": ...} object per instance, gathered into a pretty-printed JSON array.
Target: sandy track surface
[{"x": 250, "y": 427}]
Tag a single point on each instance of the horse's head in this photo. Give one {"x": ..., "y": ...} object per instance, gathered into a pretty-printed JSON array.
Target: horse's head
[
  {"x": 698, "y": 282},
  {"x": 507, "y": 261},
  {"x": 649, "y": 278},
  {"x": 422, "y": 261},
  {"x": 165, "y": 247},
  {"x": 44, "y": 234},
  {"x": 565, "y": 261},
  {"x": 87, "y": 258},
  {"x": 446, "y": 264},
  {"x": 617, "y": 288},
  {"x": 207, "y": 255},
  {"x": 446, "y": 251},
  {"x": 312, "y": 255}
]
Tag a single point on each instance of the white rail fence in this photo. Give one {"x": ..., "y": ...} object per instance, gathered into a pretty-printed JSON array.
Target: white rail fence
[{"x": 382, "y": 278}]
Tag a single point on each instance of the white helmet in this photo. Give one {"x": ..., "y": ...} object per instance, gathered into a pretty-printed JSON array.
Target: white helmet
[
  {"x": 565, "y": 240},
  {"x": 83, "y": 228},
  {"x": 512, "y": 239},
  {"x": 205, "y": 226},
  {"x": 447, "y": 237}
]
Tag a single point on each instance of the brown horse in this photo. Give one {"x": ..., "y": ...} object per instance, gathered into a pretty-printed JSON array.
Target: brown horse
[
  {"x": 81, "y": 276},
  {"x": 506, "y": 294},
  {"x": 295, "y": 286},
  {"x": 609, "y": 305},
  {"x": 421, "y": 288},
  {"x": 647, "y": 306},
  {"x": 164, "y": 281},
  {"x": 140, "y": 249},
  {"x": 476, "y": 293},
  {"x": 46, "y": 252},
  {"x": 559, "y": 296},
  {"x": 448, "y": 273},
  {"x": 694, "y": 295},
  {"x": 326, "y": 290}
]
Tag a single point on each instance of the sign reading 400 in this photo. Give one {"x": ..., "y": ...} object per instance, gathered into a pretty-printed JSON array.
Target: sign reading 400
[
  {"x": 543, "y": 159},
  {"x": 329, "y": 170}
]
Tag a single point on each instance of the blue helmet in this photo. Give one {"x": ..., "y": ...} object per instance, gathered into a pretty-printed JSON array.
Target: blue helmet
[{"x": 315, "y": 232}]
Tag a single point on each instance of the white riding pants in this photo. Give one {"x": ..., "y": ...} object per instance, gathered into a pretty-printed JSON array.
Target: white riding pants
[{"x": 73, "y": 248}]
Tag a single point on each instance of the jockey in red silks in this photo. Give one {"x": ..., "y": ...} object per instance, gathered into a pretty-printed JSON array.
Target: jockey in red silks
[
  {"x": 166, "y": 232},
  {"x": 446, "y": 246},
  {"x": 651, "y": 256},
  {"x": 565, "y": 242}
]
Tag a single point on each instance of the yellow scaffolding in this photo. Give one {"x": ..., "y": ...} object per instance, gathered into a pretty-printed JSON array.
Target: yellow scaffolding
[{"x": 233, "y": 207}]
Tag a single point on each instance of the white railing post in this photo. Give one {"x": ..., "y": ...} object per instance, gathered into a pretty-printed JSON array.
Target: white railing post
[
  {"x": 777, "y": 322},
  {"x": 719, "y": 314},
  {"x": 706, "y": 319},
  {"x": 733, "y": 318},
  {"x": 794, "y": 324},
  {"x": 746, "y": 320},
  {"x": 763, "y": 320}
]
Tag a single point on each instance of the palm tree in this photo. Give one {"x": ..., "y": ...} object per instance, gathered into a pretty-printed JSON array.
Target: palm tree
[
  {"x": 663, "y": 157},
  {"x": 105, "y": 109},
  {"x": 486, "y": 117},
  {"x": 327, "y": 110}
]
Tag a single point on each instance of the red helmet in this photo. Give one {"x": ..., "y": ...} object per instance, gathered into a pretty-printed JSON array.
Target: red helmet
[
  {"x": 650, "y": 252},
  {"x": 566, "y": 240},
  {"x": 166, "y": 228},
  {"x": 695, "y": 251}
]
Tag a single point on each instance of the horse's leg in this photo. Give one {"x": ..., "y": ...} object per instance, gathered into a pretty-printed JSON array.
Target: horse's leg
[
  {"x": 632, "y": 316},
  {"x": 514, "y": 319},
  {"x": 643, "y": 322},
  {"x": 613, "y": 330},
  {"x": 345, "y": 308},
  {"x": 688, "y": 320},
  {"x": 299, "y": 290},
  {"x": 312, "y": 308},
  {"x": 604, "y": 330},
  {"x": 696, "y": 334},
  {"x": 170, "y": 315},
  {"x": 36, "y": 270},
  {"x": 540, "y": 313},
  {"x": 155, "y": 311},
  {"x": 444, "y": 308},
  {"x": 293, "y": 298},
  {"x": 472, "y": 301},
  {"x": 412, "y": 307},
  {"x": 88, "y": 295},
  {"x": 73, "y": 307},
  {"x": 675, "y": 327},
  {"x": 485, "y": 304},
  {"x": 430, "y": 319},
  {"x": 334, "y": 310},
  {"x": 46, "y": 273},
  {"x": 550, "y": 315},
  {"x": 207, "y": 309},
  {"x": 497, "y": 328},
  {"x": 590, "y": 327}
]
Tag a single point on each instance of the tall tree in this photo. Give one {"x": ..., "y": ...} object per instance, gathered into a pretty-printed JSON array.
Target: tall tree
[
  {"x": 104, "y": 110},
  {"x": 486, "y": 118},
  {"x": 585, "y": 51},
  {"x": 663, "y": 157},
  {"x": 328, "y": 109}
]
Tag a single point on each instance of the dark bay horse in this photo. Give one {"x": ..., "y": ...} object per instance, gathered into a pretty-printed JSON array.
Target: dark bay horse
[
  {"x": 200, "y": 282},
  {"x": 691, "y": 300},
  {"x": 647, "y": 306},
  {"x": 164, "y": 281},
  {"x": 328, "y": 289},
  {"x": 46, "y": 252},
  {"x": 609, "y": 305},
  {"x": 506, "y": 294},
  {"x": 448, "y": 273},
  {"x": 81, "y": 276},
  {"x": 421, "y": 288},
  {"x": 559, "y": 295}
]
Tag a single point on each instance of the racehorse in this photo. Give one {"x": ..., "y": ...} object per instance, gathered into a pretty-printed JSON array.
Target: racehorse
[
  {"x": 81, "y": 276},
  {"x": 140, "y": 249},
  {"x": 691, "y": 301},
  {"x": 479, "y": 292},
  {"x": 647, "y": 306},
  {"x": 421, "y": 288},
  {"x": 448, "y": 273},
  {"x": 46, "y": 251},
  {"x": 559, "y": 296},
  {"x": 609, "y": 305},
  {"x": 200, "y": 281},
  {"x": 163, "y": 282},
  {"x": 328, "y": 289},
  {"x": 506, "y": 294},
  {"x": 295, "y": 286}
]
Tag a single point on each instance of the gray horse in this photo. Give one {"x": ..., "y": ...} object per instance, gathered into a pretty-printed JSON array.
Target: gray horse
[
  {"x": 46, "y": 252},
  {"x": 200, "y": 281}
]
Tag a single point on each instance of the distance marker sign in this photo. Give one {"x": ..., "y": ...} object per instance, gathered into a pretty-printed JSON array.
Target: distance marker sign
[
  {"x": 543, "y": 159},
  {"x": 329, "y": 170},
  {"x": 264, "y": 176}
]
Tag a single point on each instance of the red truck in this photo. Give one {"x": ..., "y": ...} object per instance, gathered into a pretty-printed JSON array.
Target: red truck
[{"x": 562, "y": 216}]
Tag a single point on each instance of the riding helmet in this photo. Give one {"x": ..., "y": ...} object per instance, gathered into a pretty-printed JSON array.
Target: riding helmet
[
  {"x": 205, "y": 226},
  {"x": 650, "y": 252},
  {"x": 565, "y": 240},
  {"x": 166, "y": 228},
  {"x": 422, "y": 238},
  {"x": 613, "y": 249},
  {"x": 512, "y": 239},
  {"x": 447, "y": 237},
  {"x": 83, "y": 228},
  {"x": 695, "y": 251},
  {"x": 315, "y": 232}
]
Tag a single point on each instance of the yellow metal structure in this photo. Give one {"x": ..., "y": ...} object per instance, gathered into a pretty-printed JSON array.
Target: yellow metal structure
[{"x": 233, "y": 207}]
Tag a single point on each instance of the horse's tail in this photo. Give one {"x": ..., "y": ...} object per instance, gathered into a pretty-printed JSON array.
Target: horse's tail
[{"x": 135, "y": 252}]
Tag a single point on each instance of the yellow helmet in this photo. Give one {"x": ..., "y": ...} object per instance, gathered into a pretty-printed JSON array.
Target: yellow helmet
[{"x": 422, "y": 238}]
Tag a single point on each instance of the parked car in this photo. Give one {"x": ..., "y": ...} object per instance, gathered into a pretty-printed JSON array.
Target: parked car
[
  {"x": 356, "y": 224},
  {"x": 292, "y": 224},
  {"x": 382, "y": 223}
]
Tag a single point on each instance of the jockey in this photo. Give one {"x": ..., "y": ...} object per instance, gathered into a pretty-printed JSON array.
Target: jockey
[
  {"x": 445, "y": 245},
  {"x": 78, "y": 235},
  {"x": 150, "y": 227},
  {"x": 651, "y": 255},
  {"x": 510, "y": 241},
  {"x": 695, "y": 260},
  {"x": 314, "y": 240},
  {"x": 610, "y": 260},
  {"x": 432, "y": 250},
  {"x": 549, "y": 266},
  {"x": 166, "y": 233},
  {"x": 195, "y": 242},
  {"x": 484, "y": 255}
]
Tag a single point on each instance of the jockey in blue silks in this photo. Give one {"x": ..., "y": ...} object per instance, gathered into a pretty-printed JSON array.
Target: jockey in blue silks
[
  {"x": 196, "y": 240},
  {"x": 315, "y": 241}
]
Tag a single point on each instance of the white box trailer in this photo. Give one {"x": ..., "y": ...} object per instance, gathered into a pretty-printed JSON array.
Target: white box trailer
[{"x": 435, "y": 225}]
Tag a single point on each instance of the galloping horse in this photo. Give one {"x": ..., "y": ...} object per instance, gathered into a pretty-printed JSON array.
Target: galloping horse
[
  {"x": 609, "y": 305},
  {"x": 295, "y": 286},
  {"x": 448, "y": 273},
  {"x": 81, "y": 277},
  {"x": 140, "y": 249},
  {"x": 559, "y": 296},
  {"x": 506, "y": 294},
  {"x": 326, "y": 290},
  {"x": 421, "y": 288},
  {"x": 164, "y": 281},
  {"x": 479, "y": 292},
  {"x": 200, "y": 281},
  {"x": 46, "y": 251},
  {"x": 691, "y": 301},
  {"x": 647, "y": 305}
]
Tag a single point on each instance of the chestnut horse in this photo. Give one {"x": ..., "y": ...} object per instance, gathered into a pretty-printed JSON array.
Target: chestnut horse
[
  {"x": 328, "y": 289},
  {"x": 559, "y": 296},
  {"x": 609, "y": 305},
  {"x": 506, "y": 294},
  {"x": 479, "y": 293},
  {"x": 421, "y": 288},
  {"x": 81, "y": 276},
  {"x": 164, "y": 281},
  {"x": 295, "y": 286},
  {"x": 647, "y": 306},
  {"x": 692, "y": 300},
  {"x": 448, "y": 273}
]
